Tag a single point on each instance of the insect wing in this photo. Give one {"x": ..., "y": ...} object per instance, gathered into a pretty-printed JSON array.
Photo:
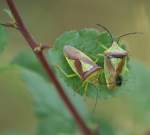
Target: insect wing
[
  {"x": 114, "y": 64},
  {"x": 78, "y": 61}
]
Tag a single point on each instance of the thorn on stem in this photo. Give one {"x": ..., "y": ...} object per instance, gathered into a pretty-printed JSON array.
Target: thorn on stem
[
  {"x": 40, "y": 48},
  {"x": 9, "y": 25}
]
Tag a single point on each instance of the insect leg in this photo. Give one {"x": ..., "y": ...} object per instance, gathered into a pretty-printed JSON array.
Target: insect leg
[
  {"x": 65, "y": 74},
  {"x": 104, "y": 47},
  {"x": 96, "y": 100},
  {"x": 85, "y": 86},
  {"x": 99, "y": 54},
  {"x": 101, "y": 77}
]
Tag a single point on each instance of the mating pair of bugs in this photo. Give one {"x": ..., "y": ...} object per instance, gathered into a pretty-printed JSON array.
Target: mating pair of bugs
[{"x": 114, "y": 68}]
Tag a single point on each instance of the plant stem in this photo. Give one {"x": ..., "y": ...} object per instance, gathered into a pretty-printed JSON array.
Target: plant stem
[{"x": 33, "y": 44}]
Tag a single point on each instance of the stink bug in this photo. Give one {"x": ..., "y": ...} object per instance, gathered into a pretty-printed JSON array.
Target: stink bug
[
  {"x": 115, "y": 61},
  {"x": 82, "y": 65}
]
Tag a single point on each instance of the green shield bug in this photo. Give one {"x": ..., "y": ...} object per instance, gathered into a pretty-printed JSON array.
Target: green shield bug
[
  {"x": 115, "y": 61},
  {"x": 82, "y": 65}
]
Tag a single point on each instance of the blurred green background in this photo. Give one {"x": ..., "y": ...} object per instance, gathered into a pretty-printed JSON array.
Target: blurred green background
[{"x": 47, "y": 19}]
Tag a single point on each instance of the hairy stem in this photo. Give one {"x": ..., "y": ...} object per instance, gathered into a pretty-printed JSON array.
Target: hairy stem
[{"x": 33, "y": 44}]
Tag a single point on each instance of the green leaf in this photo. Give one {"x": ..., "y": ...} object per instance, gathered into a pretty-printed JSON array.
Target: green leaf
[
  {"x": 90, "y": 42},
  {"x": 3, "y": 38},
  {"x": 47, "y": 103},
  {"x": 50, "y": 110},
  {"x": 129, "y": 114},
  {"x": 28, "y": 60},
  {"x": 53, "y": 116}
]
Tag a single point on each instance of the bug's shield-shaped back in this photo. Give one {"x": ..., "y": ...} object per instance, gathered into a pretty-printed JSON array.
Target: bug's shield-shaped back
[
  {"x": 115, "y": 59},
  {"x": 81, "y": 64}
]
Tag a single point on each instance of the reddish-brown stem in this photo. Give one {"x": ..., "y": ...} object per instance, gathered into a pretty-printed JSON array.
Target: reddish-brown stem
[{"x": 33, "y": 44}]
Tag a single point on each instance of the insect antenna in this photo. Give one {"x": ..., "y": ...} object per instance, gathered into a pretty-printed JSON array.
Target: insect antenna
[
  {"x": 106, "y": 30},
  {"x": 130, "y": 33}
]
